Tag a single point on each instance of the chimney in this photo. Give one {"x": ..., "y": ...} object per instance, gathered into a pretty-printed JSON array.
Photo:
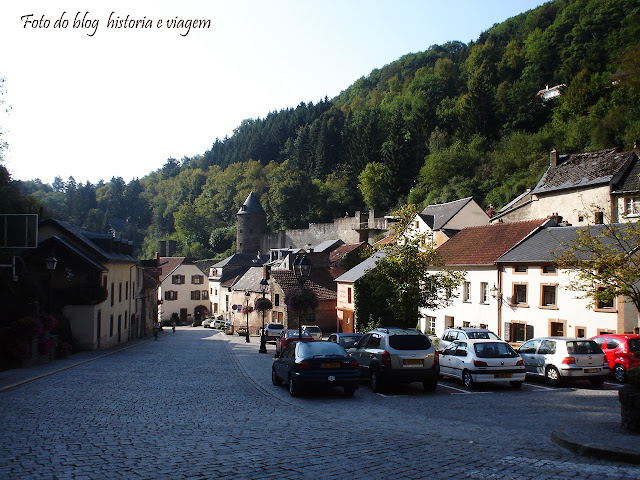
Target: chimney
[
  {"x": 553, "y": 160},
  {"x": 556, "y": 218}
]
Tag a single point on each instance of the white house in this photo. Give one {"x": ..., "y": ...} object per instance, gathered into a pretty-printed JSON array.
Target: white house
[
  {"x": 184, "y": 290},
  {"x": 474, "y": 251}
]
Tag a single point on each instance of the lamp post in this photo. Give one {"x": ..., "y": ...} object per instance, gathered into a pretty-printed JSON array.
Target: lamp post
[
  {"x": 246, "y": 296},
  {"x": 302, "y": 271},
  {"x": 264, "y": 286},
  {"x": 51, "y": 263}
]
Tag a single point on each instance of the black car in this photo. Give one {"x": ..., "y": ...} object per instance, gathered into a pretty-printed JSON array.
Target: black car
[{"x": 318, "y": 363}]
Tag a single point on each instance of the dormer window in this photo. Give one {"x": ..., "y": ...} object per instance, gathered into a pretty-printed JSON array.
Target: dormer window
[{"x": 632, "y": 206}]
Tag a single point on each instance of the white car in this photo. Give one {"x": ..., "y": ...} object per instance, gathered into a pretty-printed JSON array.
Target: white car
[
  {"x": 313, "y": 330},
  {"x": 477, "y": 361},
  {"x": 207, "y": 323},
  {"x": 273, "y": 330}
]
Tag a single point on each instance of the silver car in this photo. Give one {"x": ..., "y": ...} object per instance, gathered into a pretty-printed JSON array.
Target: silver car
[{"x": 560, "y": 358}]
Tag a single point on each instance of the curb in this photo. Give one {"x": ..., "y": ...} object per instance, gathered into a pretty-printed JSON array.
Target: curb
[{"x": 602, "y": 452}]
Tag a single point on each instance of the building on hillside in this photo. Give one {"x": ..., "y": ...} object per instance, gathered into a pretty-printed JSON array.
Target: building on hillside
[
  {"x": 184, "y": 291},
  {"x": 474, "y": 251},
  {"x": 547, "y": 93},
  {"x": 584, "y": 189},
  {"x": 96, "y": 284},
  {"x": 443, "y": 221}
]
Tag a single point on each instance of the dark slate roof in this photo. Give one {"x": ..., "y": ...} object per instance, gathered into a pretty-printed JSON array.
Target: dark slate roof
[
  {"x": 328, "y": 245},
  {"x": 545, "y": 243},
  {"x": 584, "y": 170},
  {"x": 437, "y": 216},
  {"x": 630, "y": 181},
  {"x": 242, "y": 259},
  {"x": 251, "y": 206},
  {"x": 484, "y": 245},
  {"x": 361, "y": 269},
  {"x": 338, "y": 254},
  {"x": 84, "y": 239},
  {"x": 250, "y": 280}
]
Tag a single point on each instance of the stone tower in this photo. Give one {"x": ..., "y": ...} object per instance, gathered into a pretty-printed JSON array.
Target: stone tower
[{"x": 251, "y": 226}]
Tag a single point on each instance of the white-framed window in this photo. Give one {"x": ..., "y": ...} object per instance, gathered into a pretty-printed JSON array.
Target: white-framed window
[
  {"x": 466, "y": 292},
  {"x": 632, "y": 205},
  {"x": 484, "y": 292}
]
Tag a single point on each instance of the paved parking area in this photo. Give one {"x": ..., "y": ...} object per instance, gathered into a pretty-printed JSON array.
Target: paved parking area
[{"x": 198, "y": 404}]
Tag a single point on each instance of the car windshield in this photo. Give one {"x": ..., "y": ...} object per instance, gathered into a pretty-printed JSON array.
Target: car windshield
[
  {"x": 314, "y": 349},
  {"x": 312, "y": 329},
  {"x": 409, "y": 342},
  {"x": 494, "y": 350},
  {"x": 634, "y": 344},
  {"x": 275, "y": 326},
  {"x": 295, "y": 333},
  {"x": 347, "y": 342},
  {"x": 583, "y": 347},
  {"x": 483, "y": 335}
]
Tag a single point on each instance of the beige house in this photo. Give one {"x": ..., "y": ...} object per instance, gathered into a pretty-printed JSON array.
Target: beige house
[
  {"x": 184, "y": 290},
  {"x": 96, "y": 284}
]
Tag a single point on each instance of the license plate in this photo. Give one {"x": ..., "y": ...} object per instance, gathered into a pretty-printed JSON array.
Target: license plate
[
  {"x": 412, "y": 361},
  {"x": 501, "y": 375},
  {"x": 591, "y": 370},
  {"x": 330, "y": 365}
]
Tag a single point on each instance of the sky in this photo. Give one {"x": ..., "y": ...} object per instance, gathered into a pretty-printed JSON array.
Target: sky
[{"x": 101, "y": 89}]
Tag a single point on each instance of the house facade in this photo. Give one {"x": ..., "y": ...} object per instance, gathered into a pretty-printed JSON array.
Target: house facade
[
  {"x": 96, "y": 284},
  {"x": 184, "y": 291}
]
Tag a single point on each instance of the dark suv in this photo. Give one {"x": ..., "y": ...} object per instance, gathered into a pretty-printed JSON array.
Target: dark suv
[{"x": 395, "y": 355}]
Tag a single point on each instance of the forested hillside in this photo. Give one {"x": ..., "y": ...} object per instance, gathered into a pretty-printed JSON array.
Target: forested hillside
[{"x": 452, "y": 121}]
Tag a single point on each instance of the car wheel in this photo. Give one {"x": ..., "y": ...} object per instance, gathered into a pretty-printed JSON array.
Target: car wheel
[
  {"x": 516, "y": 384},
  {"x": 467, "y": 379},
  {"x": 377, "y": 384},
  {"x": 553, "y": 376},
  {"x": 294, "y": 390},
  {"x": 349, "y": 391},
  {"x": 274, "y": 378},
  {"x": 619, "y": 373},
  {"x": 430, "y": 385}
]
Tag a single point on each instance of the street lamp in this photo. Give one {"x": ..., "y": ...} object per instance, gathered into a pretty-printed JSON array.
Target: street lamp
[
  {"x": 302, "y": 271},
  {"x": 246, "y": 296},
  {"x": 264, "y": 286},
  {"x": 51, "y": 263}
]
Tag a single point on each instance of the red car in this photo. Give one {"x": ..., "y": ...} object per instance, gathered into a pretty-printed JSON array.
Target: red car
[
  {"x": 289, "y": 336},
  {"x": 622, "y": 351}
]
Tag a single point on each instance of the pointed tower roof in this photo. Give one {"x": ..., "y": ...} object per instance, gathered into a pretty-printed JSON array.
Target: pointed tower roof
[{"x": 251, "y": 206}]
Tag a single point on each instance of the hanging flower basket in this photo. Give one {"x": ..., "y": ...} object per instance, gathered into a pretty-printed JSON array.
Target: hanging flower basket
[
  {"x": 263, "y": 304},
  {"x": 301, "y": 299},
  {"x": 246, "y": 309}
]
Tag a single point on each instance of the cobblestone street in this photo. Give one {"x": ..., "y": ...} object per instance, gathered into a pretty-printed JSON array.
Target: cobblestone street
[{"x": 200, "y": 405}]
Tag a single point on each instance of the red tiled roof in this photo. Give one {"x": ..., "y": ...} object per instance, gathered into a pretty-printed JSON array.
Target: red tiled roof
[
  {"x": 168, "y": 265},
  {"x": 288, "y": 281},
  {"x": 484, "y": 245},
  {"x": 342, "y": 250}
]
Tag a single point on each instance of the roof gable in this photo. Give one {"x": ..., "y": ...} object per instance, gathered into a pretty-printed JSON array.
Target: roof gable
[
  {"x": 437, "y": 216},
  {"x": 484, "y": 245}
]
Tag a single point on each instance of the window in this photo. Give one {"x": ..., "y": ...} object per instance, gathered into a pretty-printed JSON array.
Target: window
[
  {"x": 197, "y": 279},
  {"x": 349, "y": 295},
  {"x": 520, "y": 269},
  {"x": 557, "y": 329},
  {"x": 170, "y": 295},
  {"x": 204, "y": 295},
  {"x": 517, "y": 332},
  {"x": 604, "y": 303},
  {"x": 466, "y": 324},
  {"x": 195, "y": 294},
  {"x": 466, "y": 291},
  {"x": 599, "y": 218},
  {"x": 548, "y": 296},
  {"x": 581, "y": 332},
  {"x": 519, "y": 294},
  {"x": 484, "y": 292},
  {"x": 111, "y": 325},
  {"x": 126, "y": 294},
  {"x": 549, "y": 269},
  {"x": 632, "y": 206},
  {"x": 276, "y": 300},
  {"x": 177, "y": 279},
  {"x": 431, "y": 322},
  {"x": 113, "y": 289},
  {"x": 120, "y": 292}
]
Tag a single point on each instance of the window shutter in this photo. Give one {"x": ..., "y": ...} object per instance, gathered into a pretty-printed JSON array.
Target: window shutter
[
  {"x": 507, "y": 331},
  {"x": 529, "y": 332}
]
